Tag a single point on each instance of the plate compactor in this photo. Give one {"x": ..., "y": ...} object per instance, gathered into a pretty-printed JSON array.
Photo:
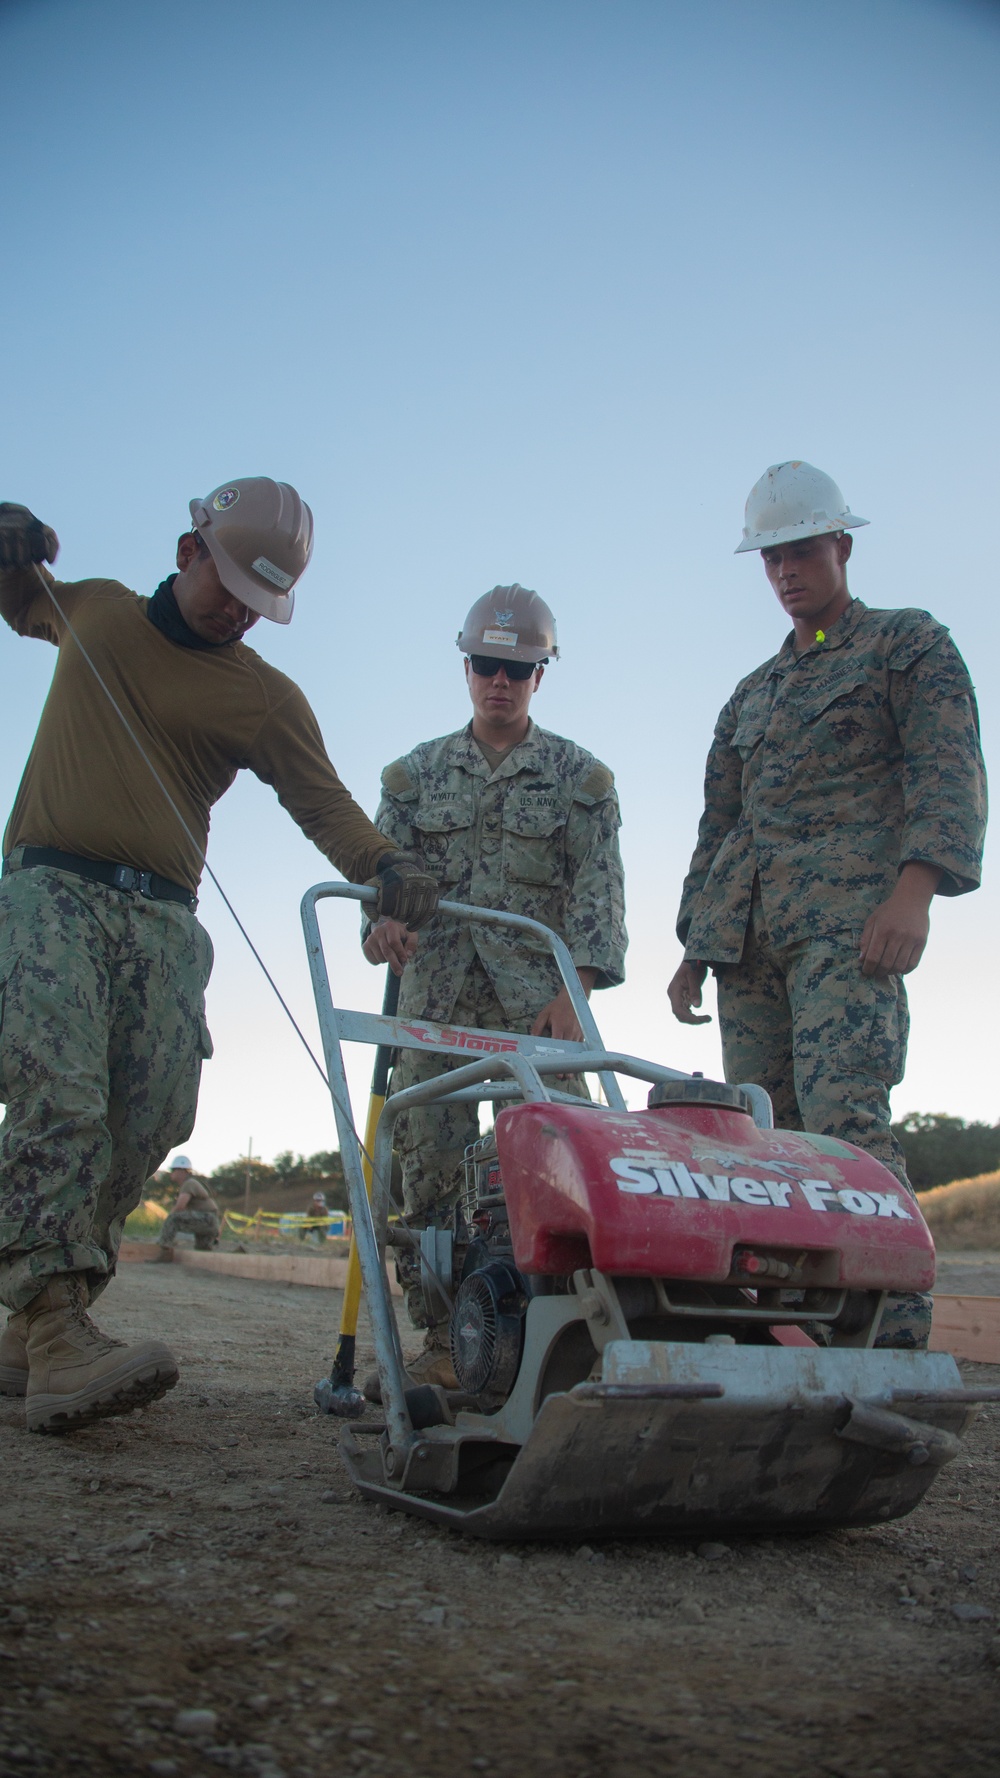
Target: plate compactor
[{"x": 661, "y": 1321}]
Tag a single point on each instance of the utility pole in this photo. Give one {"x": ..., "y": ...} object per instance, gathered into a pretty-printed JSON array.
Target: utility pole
[{"x": 246, "y": 1182}]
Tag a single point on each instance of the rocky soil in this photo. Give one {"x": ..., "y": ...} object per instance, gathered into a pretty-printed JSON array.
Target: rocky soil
[{"x": 196, "y": 1589}]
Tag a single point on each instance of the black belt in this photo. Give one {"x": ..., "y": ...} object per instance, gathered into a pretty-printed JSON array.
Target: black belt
[{"x": 115, "y": 876}]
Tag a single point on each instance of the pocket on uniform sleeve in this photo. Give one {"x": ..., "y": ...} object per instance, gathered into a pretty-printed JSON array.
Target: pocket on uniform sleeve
[{"x": 3, "y": 1003}]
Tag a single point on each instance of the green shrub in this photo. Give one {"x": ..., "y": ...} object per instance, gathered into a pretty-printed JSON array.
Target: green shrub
[
  {"x": 143, "y": 1223},
  {"x": 939, "y": 1148}
]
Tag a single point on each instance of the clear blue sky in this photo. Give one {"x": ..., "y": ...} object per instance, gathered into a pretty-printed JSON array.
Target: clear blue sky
[{"x": 528, "y": 291}]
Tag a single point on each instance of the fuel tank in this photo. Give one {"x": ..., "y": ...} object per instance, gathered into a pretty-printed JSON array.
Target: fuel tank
[{"x": 698, "y": 1191}]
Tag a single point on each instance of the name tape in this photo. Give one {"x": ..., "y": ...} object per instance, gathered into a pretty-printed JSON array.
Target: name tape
[
  {"x": 677, "y": 1181},
  {"x": 275, "y": 575}
]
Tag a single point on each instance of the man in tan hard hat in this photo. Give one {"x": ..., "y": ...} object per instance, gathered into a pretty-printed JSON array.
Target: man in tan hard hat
[
  {"x": 844, "y": 789},
  {"x": 507, "y": 816},
  {"x": 155, "y": 706}
]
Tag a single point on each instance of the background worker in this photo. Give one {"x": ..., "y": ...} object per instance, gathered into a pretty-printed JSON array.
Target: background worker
[
  {"x": 512, "y": 817},
  {"x": 103, "y": 965},
  {"x": 844, "y": 789},
  {"x": 317, "y": 1214},
  {"x": 195, "y": 1211}
]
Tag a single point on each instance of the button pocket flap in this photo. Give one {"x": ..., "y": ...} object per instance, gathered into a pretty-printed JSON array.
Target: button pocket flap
[
  {"x": 445, "y": 816},
  {"x": 534, "y": 817}
]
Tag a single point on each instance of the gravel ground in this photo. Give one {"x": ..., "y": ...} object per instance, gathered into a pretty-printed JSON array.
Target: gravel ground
[{"x": 195, "y": 1589}]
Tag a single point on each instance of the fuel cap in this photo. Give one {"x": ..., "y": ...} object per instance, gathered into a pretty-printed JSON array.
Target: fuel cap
[{"x": 698, "y": 1091}]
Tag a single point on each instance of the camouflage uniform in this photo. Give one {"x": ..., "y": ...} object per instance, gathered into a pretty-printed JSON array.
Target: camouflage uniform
[
  {"x": 202, "y": 1224},
  {"x": 538, "y": 837},
  {"x": 830, "y": 770},
  {"x": 115, "y": 986}
]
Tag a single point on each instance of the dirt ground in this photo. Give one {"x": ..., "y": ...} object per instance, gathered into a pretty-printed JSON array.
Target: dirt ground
[{"x": 208, "y": 1556}]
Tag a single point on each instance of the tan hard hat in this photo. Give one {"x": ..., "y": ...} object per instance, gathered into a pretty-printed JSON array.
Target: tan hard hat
[
  {"x": 260, "y": 535},
  {"x": 510, "y": 623}
]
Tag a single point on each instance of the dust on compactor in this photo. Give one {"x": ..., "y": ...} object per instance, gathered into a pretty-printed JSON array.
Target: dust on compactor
[{"x": 661, "y": 1321}]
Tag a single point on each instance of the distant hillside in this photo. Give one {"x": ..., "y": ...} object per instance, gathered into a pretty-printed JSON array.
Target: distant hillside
[{"x": 965, "y": 1214}]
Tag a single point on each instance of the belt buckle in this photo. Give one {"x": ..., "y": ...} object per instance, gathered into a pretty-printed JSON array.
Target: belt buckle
[{"x": 137, "y": 882}]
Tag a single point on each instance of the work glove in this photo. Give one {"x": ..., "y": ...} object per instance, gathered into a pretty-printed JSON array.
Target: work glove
[
  {"x": 406, "y": 889},
  {"x": 23, "y": 538}
]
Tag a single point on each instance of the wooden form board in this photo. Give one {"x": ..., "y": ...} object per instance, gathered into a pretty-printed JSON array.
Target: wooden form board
[
  {"x": 967, "y": 1327},
  {"x": 270, "y": 1268}
]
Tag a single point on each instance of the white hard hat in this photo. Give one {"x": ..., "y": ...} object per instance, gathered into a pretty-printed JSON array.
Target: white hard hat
[
  {"x": 260, "y": 536},
  {"x": 181, "y": 1163},
  {"x": 794, "y": 500}
]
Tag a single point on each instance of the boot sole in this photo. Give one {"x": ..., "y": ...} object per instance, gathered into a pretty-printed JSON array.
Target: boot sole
[
  {"x": 113, "y": 1395},
  {"x": 13, "y": 1382}
]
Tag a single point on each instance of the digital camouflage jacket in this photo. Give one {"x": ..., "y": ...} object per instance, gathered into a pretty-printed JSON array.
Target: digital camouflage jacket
[
  {"x": 830, "y": 770},
  {"x": 539, "y": 836}
]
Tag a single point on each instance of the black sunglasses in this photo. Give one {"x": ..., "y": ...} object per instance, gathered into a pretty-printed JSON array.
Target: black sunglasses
[{"x": 488, "y": 668}]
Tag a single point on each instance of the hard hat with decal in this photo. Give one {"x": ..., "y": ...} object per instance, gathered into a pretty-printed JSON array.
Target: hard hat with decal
[
  {"x": 181, "y": 1163},
  {"x": 794, "y": 500},
  {"x": 510, "y": 623},
  {"x": 260, "y": 535}
]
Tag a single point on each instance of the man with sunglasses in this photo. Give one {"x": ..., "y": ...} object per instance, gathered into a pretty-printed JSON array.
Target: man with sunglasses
[{"x": 506, "y": 816}]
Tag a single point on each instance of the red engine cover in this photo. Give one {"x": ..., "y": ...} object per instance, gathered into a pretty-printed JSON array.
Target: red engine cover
[{"x": 671, "y": 1193}]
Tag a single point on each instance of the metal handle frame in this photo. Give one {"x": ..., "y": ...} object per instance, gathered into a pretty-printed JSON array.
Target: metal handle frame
[{"x": 525, "y": 1060}]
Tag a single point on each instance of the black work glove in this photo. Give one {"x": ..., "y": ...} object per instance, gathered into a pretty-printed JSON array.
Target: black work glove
[
  {"x": 406, "y": 889},
  {"x": 23, "y": 538}
]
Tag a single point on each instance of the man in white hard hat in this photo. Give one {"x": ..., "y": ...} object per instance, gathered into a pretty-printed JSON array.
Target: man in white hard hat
[
  {"x": 844, "y": 789},
  {"x": 155, "y": 706},
  {"x": 195, "y": 1211},
  {"x": 507, "y": 816}
]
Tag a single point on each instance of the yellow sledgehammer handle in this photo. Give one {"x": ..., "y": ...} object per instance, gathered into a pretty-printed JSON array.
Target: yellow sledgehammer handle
[
  {"x": 336, "y": 1394},
  {"x": 352, "y": 1289}
]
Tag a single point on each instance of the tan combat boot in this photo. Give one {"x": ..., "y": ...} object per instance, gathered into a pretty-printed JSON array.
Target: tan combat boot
[
  {"x": 432, "y": 1365},
  {"x": 76, "y": 1373},
  {"x": 14, "y": 1356}
]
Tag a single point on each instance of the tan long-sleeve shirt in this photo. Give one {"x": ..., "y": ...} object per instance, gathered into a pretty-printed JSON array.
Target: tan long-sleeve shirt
[{"x": 201, "y": 715}]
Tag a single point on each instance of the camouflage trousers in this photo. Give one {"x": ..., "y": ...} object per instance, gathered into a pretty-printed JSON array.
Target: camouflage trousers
[
  {"x": 827, "y": 1043},
  {"x": 431, "y": 1140},
  {"x": 102, "y": 1038},
  {"x": 202, "y": 1224}
]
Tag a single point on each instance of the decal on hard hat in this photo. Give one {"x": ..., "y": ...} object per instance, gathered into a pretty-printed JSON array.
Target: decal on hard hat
[
  {"x": 504, "y": 618},
  {"x": 225, "y": 498},
  {"x": 276, "y": 576},
  {"x": 501, "y": 638},
  {"x": 677, "y": 1181}
]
